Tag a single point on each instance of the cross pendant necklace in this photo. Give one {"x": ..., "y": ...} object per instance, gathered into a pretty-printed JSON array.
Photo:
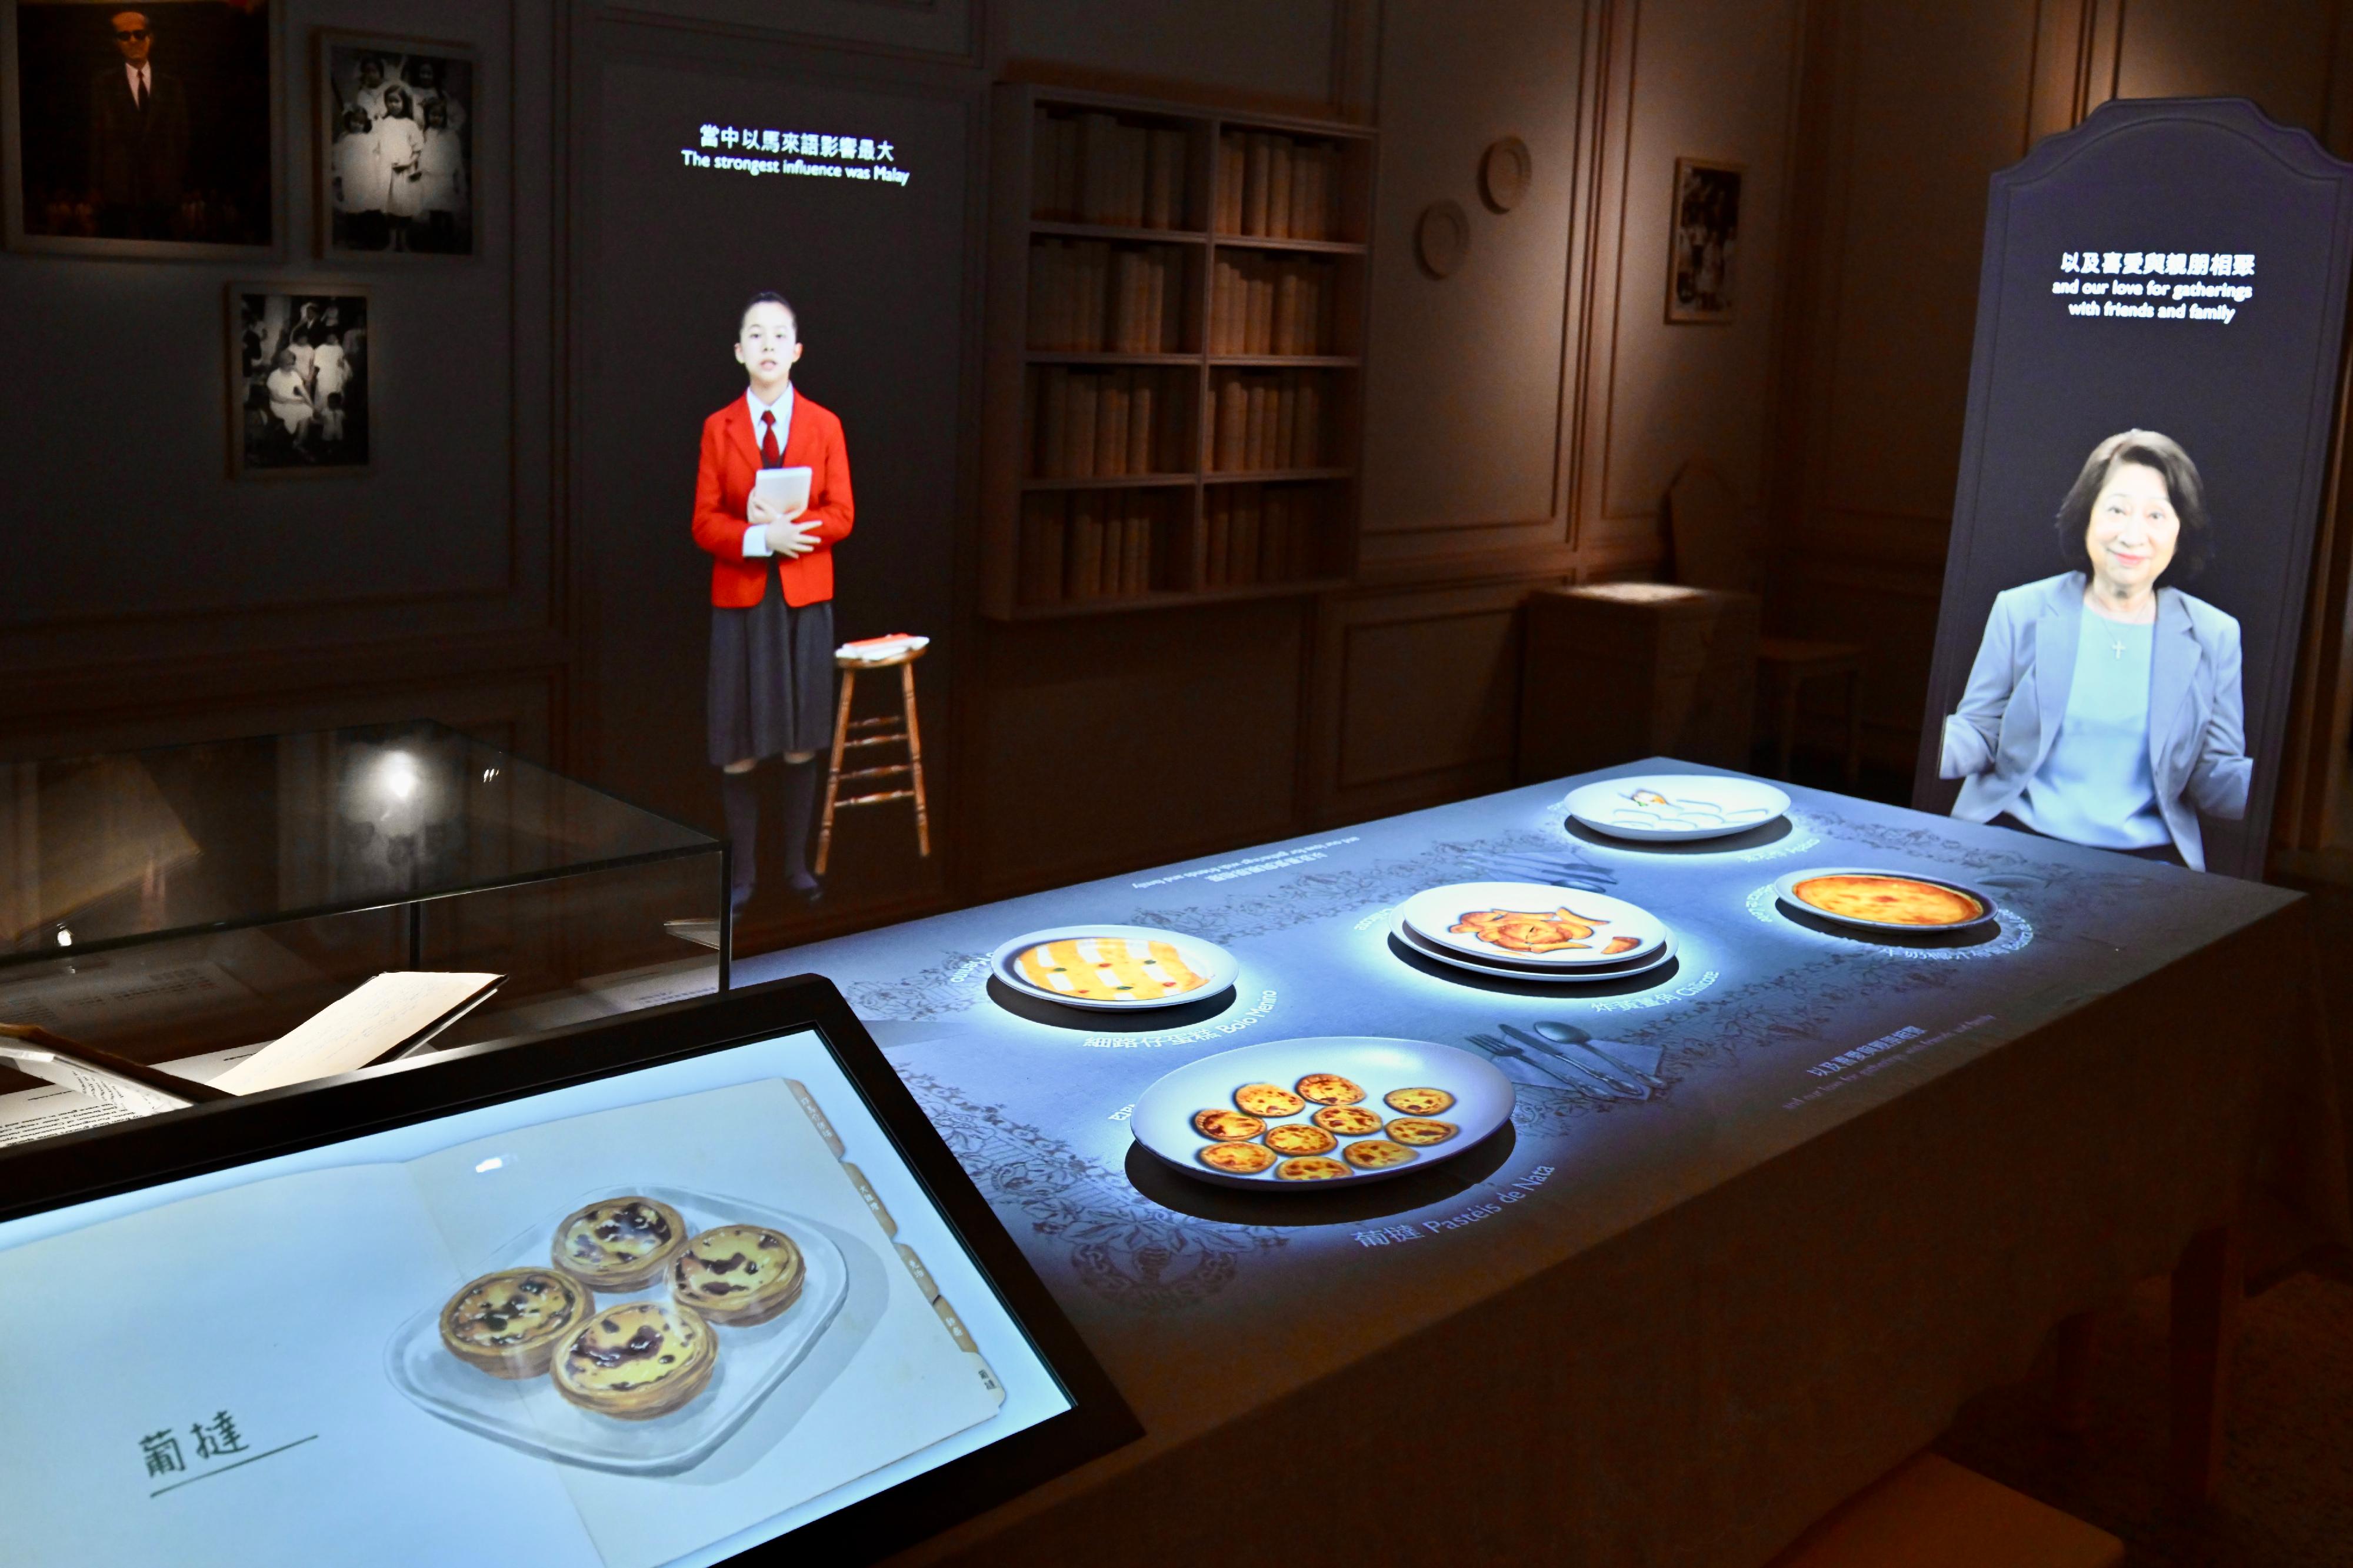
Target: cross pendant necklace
[{"x": 2117, "y": 646}]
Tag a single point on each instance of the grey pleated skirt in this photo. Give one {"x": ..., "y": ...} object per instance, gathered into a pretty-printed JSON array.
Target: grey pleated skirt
[{"x": 771, "y": 687}]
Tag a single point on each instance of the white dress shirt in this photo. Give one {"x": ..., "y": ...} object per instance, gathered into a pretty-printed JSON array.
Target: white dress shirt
[
  {"x": 755, "y": 541},
  {"x": 142, "y": 87}
]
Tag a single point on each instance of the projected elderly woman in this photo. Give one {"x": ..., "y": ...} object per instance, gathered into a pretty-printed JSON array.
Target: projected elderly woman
[{"x": 2105, "y": 709}]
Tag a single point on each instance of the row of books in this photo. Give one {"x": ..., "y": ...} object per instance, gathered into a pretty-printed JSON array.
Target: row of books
[
  {"x": 1106, "y": 423},
  {"x": 1268, "y": 419},
  {"x": 1090, "y": 297},
  {"x": 1091, "y": 168},
  {"x": 1264, "y": 533},
  {"x": 1273, "y": 187},
  {"x": 1271, "y": 305},
  {"x": 1094, "y": 544}
]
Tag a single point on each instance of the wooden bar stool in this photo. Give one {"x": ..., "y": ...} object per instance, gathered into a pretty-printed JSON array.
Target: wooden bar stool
[
  {"x": 1929, "y": 1512},
  {"x": 886, "y": 731}
]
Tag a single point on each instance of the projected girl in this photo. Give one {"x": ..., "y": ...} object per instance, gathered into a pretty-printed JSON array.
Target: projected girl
[
  {"x": 771, "y": 685},
  {"x": 2105, "y": 709}
]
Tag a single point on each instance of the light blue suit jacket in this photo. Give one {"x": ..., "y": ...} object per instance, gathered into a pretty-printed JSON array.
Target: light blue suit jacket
[{"x": 2018, "y": 694}]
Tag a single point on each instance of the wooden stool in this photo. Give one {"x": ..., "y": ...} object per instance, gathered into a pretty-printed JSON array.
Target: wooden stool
[
  {"x": 888, "y": 730},
  {"x": 1929, "y": 1512},
  {"x": 1791, "y": 662}
]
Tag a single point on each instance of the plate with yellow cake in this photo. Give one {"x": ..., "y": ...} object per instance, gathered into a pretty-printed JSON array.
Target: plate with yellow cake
[
  {"x": 634, "y": 1333},
  {"x": 1872, "y": 899},
  {"x": 1114, "y": 968},
  {"x": 1335, "y": 1110}
]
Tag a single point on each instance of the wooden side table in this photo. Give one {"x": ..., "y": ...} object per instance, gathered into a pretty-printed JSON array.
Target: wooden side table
[
  {"x": 1619, "y": 670},
  {"x": 888, "y": 730}
]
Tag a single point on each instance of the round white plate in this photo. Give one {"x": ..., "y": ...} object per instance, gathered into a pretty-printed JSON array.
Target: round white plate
[
  {"x": 1786, "y": 888},
  {"x": 1434, "y": 913},
  {"x": 1666, "y": 808},
  {"x": 1642, "y": 963},
  {"x": 1214, "y": 963},
  {"x": 1162, "y": 1120}
]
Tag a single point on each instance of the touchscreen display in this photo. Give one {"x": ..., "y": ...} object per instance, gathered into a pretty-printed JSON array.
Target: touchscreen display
[{"x": 654, "y": 1318}]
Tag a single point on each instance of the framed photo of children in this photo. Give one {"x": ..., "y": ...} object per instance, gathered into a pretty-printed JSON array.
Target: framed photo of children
[
  {"x": 139, "y": 130},
  {"x": 1703, "y": 241},
  {"x": 397, "y": 139},
  {"x": 299, "y": 380}
]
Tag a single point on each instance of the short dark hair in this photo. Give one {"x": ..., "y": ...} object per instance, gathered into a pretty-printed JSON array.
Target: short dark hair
[
  {"x": 768, "y": 297},
  {"x": 2195, "y": 547}
]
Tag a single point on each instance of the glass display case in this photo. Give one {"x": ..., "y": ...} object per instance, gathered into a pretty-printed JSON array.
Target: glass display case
[{"x": 183, "y": 904}]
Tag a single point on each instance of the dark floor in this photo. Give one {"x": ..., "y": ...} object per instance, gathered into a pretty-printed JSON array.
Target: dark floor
[{"x": 2287, "y": 1499}]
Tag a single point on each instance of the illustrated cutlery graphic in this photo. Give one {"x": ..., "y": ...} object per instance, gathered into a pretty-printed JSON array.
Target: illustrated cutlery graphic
[
  {"x": 1570, "y": 1034},
  {"x": 1587, "y": 1061},
  {"x": 1497, "y": 1048},
  {"x": 1613, "y": 1083}
]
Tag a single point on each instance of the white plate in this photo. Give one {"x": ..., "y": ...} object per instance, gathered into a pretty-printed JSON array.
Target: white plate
[
  {"x": 529, "y": 1414},
  {"x": 1203, "y": 958},
  {"x": 1162, "y": 1120},
  {"x": 1640, "y": 964},
  {"x": 1432, "y": 915},
  {"x": 1786, "y": 888},
  {"x": 1666, "y": 808}
]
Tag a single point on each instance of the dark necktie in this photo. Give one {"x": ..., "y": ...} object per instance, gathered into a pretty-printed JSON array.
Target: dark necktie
[
  {"x": 771, "y": 455},
  {"x": 139, "y": 92}
]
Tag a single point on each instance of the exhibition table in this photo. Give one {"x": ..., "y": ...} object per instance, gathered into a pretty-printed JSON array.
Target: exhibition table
[{"x": 1664, "y": 1330}]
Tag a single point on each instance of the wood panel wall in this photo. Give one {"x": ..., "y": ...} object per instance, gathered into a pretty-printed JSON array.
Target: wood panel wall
[
  {"x": 1524, "y": 417},
  {"x": 1905, "y": 114}
]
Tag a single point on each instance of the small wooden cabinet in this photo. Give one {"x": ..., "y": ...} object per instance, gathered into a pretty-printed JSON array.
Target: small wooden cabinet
[
  {"x": 1619, "y": 671},
  {"x": 1175, "y": 321}
]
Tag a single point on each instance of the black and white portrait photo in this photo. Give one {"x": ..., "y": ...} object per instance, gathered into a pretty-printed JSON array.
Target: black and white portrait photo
[
  {"x": 140, "y": 130},
  {"x": 1703, "y": 241},
  {"x": 396, "y": 147},
  {"x": 298, "y": 381}
]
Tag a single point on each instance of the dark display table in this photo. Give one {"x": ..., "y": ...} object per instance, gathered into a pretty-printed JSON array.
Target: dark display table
[
  {"x": 185, "y": 904},
  {"x": 1662, "y": 1330}
]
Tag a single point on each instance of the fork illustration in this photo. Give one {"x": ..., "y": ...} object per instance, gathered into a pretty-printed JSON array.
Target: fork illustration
[{"x": 1495, "y": 1045}]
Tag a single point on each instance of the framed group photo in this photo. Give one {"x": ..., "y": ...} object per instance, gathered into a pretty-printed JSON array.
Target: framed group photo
[
  {"x": 299, "y": 374},
  {"x": 396, "y": 146},
  {"x": 1703, "y": 241},
  {"x": 139, "y": 130}
]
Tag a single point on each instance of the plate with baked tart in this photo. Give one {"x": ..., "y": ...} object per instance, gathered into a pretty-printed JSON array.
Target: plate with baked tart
[
  {"x": 1114, "y": 968},
  {"x": 648, "y": 1376},
  {"x": 1503, "y": 968},
  {"x": 1532, "y": 925},
  {"x": 1333, "y": 1110},
  {"x": 1870, "y": 899}
]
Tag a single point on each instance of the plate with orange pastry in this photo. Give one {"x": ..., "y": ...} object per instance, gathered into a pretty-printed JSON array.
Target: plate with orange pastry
[
  {"x": 1528, "y": 927},
  {"x": 1331, "y": 1111},
  {"x": 1114, "y": 968}
]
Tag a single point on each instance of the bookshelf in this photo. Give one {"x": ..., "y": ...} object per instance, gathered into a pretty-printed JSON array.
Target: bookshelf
[{"x": 1175, "y": 323}]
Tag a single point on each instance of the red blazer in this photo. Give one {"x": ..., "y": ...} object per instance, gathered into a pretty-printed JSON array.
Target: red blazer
[{"x": 723, "y": 491}]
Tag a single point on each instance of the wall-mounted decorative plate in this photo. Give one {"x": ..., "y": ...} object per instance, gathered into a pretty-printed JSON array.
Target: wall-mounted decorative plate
[
  {"x": 1442, "y": 237},
  {"x": 1504, "y": 171}
]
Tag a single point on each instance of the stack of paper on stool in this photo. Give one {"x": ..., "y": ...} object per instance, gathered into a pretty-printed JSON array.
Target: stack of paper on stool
[{"x": 875, "y": 651}]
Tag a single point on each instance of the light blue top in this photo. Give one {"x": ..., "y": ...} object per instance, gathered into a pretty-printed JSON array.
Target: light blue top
[{"x": 2096, "y": 786}]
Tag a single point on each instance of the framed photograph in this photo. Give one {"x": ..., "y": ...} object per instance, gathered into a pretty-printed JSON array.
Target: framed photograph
[
  {"x": 395, "y": 121},
  {"x": 139, "y": 130},
  {"x": 1703, "y": 241},
  {"x": 300, "y": 369}
]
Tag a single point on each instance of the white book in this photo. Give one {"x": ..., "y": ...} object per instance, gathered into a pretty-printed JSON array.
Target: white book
[
  {"x": 786, "y": 489},
  {"x": 391, "y": 1013}
]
